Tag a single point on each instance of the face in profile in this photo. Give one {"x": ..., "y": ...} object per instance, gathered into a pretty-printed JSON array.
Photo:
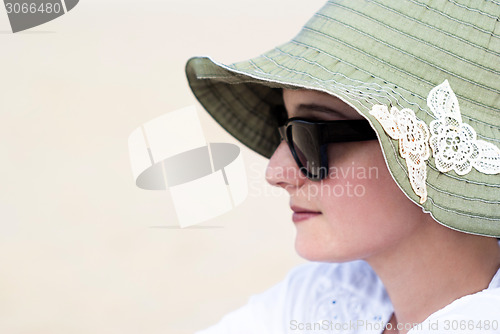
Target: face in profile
[{"x": 357, "y": 211}]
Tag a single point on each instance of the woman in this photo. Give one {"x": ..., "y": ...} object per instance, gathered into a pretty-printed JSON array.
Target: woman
[{"x": 382, "y": 121}]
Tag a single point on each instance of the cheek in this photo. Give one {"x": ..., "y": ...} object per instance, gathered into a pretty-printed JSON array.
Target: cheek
[{"x": 364, "y": 206}]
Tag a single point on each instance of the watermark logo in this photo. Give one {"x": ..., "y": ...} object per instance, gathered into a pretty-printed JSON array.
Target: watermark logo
[
  {"x": 26, "y": 14},
  {"x": 441, "y": 325},
  {"x": 204, "y": 179},
  {"x": 349, "y": 180}
]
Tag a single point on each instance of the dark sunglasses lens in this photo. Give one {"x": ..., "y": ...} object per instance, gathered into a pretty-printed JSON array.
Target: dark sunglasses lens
[{"x": 306, "y": 149}]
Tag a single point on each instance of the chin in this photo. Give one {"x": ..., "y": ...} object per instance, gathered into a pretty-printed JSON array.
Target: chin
[
  {"x": 314, "y": 250},
  {"x": 319, "y": 240}
]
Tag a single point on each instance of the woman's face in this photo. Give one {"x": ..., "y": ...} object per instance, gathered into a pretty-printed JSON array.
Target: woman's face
[{"x": 359, "y": 211}]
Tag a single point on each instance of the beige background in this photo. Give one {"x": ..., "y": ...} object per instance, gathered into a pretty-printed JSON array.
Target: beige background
[{"x": 82, "y": 250}]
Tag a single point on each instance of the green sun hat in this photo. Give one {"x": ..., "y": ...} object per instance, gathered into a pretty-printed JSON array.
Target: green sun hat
[{"x": 425, "y": 74}]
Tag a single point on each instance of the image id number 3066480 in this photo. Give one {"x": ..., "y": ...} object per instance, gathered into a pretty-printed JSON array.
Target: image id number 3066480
[
  {"x": 479, "y": 325},
  {"x": 33, "y": 8}
]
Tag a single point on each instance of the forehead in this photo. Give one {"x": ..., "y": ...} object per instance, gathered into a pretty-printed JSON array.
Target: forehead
[{"x": 310, "y": 103}]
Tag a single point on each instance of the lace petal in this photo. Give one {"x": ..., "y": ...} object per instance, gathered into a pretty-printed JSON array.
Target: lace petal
[
  {"x": 413, "y": 136},
  {"x": 443, "y": 102},
  {"x": 417, "y": 176},
  {"x": 468, "y": 132},
  {"x": 436, "y": 127},
  {"x": 488, "y": 161},
  {"x": 387, "y": 120},
  {"x": 463, "y": 168}
]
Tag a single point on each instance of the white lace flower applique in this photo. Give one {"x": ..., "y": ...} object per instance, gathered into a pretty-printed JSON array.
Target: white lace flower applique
[
  {"x": 454, "y": 144},
  {"x": 413, "y": 136}
]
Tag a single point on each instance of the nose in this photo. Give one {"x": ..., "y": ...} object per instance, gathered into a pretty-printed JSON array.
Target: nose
[{"x": 283, "y": 171}]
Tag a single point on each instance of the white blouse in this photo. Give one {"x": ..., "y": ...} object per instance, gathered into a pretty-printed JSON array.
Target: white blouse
[{"x": 350, "y": 298}]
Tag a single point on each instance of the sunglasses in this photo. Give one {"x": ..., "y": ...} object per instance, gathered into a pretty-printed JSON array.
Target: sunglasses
[{"x": 308, "y": 141}]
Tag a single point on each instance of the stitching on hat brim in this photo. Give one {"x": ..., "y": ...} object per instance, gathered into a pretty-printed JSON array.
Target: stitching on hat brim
[
  {"x": 435, "y": 28},
  {"x": 408, "y": 36},
  {"x": 412, "y": 94},
  {"x": 408, "y": 73},
  {"x": 454, "y": 19}
]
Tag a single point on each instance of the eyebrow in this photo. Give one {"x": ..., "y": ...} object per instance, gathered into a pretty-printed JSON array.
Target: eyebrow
[{"x": 319, "y": 108}]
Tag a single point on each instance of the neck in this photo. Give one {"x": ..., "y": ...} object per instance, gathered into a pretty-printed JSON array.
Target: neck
[{"x": 435, "y": 268}]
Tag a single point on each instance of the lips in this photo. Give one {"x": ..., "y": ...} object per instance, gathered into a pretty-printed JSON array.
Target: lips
[{"x": 301, "y": 214}]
